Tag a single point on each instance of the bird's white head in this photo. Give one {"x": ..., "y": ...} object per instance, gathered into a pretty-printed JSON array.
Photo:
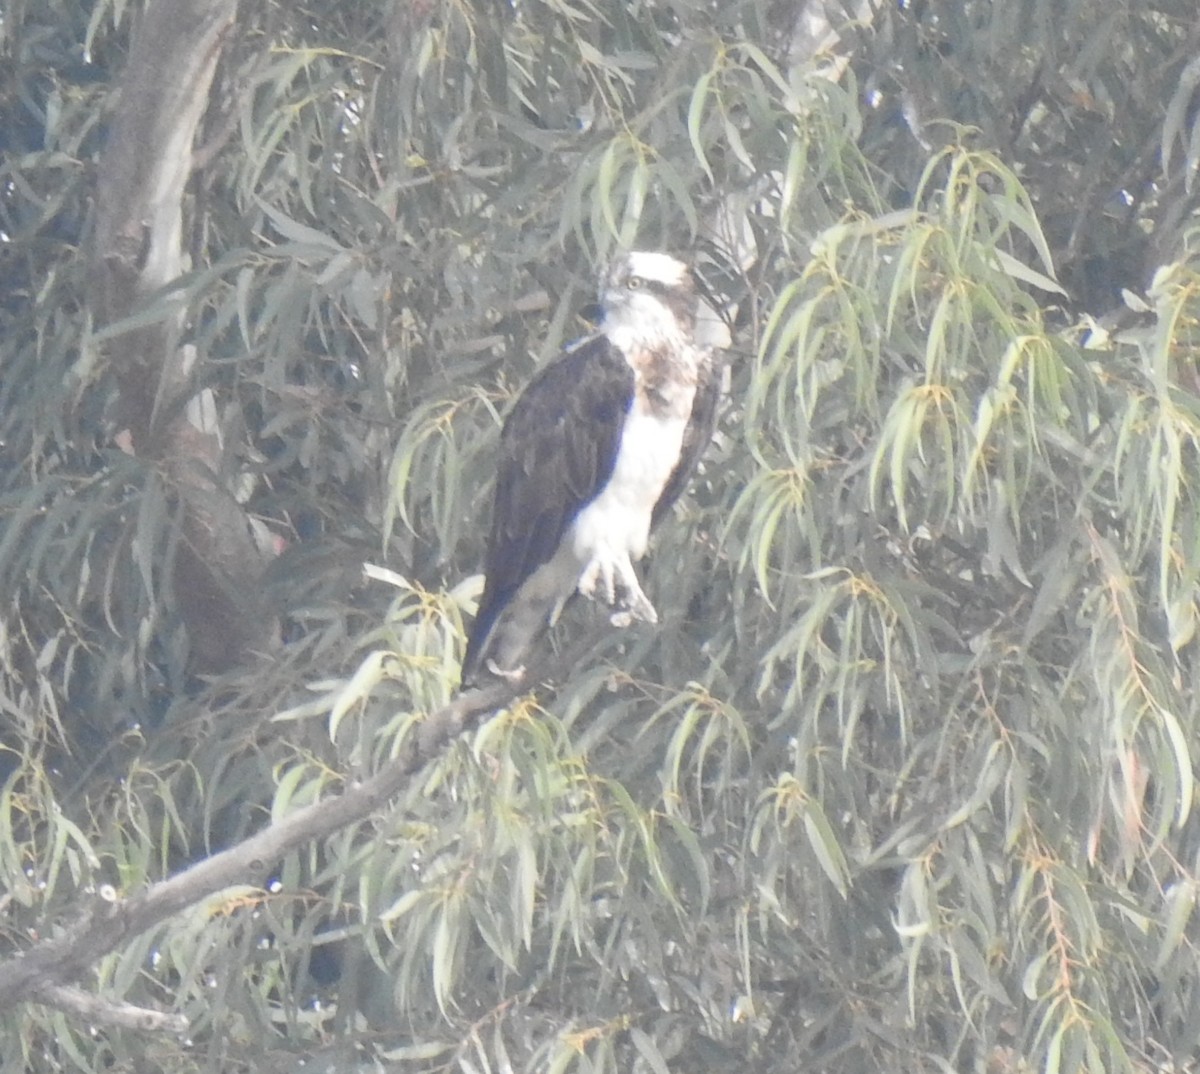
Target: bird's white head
[{"x": 648, "y": 297}]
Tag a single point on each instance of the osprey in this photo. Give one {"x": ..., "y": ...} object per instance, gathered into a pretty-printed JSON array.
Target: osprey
[{"x": 595, "y": 451}]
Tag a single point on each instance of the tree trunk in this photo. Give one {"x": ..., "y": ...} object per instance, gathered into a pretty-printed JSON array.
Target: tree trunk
[{"x": 144, "y": 172}]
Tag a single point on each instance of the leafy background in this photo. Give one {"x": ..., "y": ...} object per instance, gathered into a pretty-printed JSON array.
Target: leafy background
[{"x": 904, "y": 779}]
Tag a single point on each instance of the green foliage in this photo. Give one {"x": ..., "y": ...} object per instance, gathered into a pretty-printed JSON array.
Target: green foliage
[{"x": 904, "y": 780}]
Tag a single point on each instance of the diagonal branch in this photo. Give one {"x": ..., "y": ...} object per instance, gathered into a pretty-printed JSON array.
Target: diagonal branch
[{"x": 35, "y": 973}]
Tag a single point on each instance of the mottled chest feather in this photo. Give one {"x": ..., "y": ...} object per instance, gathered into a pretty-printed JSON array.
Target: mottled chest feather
[
  {"x": 664, "y": 361},
  {"x": 665, "y": 380}
]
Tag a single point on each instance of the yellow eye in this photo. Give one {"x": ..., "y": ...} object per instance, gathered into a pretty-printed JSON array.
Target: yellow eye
[{"x": 635, "y": 282}]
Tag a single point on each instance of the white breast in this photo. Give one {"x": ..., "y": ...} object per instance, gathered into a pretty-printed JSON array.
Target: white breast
[{"x": 616, "y": 524}]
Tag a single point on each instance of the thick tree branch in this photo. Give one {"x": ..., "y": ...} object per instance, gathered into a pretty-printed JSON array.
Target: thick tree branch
[{"x": 33, "y": 974}]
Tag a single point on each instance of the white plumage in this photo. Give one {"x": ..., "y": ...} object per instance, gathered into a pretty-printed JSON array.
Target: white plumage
[{"x": 612, "y": 532}]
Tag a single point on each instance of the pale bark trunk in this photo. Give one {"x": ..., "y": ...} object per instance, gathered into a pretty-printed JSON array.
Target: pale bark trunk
[{"x": 143, "y": 178}]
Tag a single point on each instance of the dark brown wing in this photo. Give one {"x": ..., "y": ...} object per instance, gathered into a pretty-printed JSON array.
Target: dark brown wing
[
  {"x": 557, "y": 450},
  {"x": 700, "y": 428}
]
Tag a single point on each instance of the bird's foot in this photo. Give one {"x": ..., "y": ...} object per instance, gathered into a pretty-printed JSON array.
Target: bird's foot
[
  {"x": 636, "y": 606},
  {"x": 512, "y": 676},
  {"x": 599, "y": 573},
  {"x": 617, "y": 585}
]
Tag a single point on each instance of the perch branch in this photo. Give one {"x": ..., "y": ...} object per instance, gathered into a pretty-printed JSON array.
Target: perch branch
[{"x": 37, "y": 972}]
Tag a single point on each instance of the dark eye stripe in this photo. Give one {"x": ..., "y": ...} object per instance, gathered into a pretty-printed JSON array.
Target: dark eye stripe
[{"x": 656, "y": 287}]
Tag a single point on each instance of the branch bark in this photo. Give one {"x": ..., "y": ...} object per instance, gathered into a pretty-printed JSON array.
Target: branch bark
[{"x": 123, "y": 1015}]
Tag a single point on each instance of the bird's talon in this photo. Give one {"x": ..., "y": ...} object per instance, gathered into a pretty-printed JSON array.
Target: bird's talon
[
  {"x": 635, "y": 606},
  {"x": 641, "y": 608}
]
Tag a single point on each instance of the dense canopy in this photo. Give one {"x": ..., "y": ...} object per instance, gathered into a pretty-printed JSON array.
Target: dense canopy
[{"x": 904, "y": 778}]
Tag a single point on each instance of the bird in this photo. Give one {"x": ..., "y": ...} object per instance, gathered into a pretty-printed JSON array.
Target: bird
[{"x": 593, "y": 454}]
